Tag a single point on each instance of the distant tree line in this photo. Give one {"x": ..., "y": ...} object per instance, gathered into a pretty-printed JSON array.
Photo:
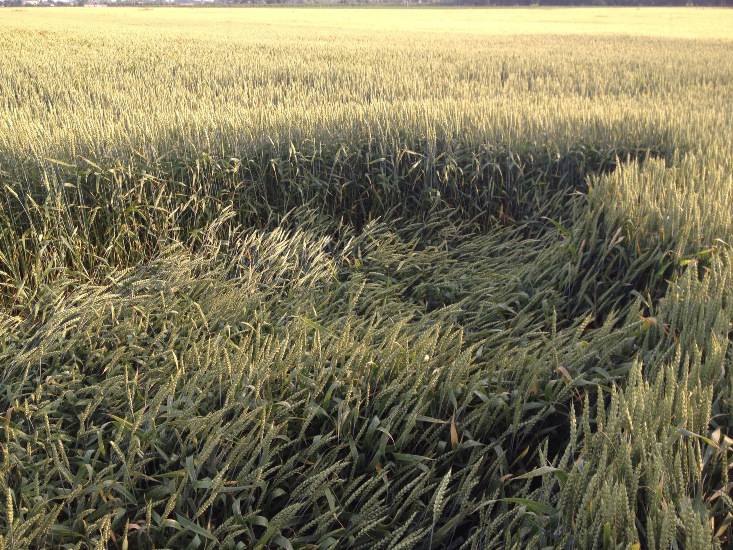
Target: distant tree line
[{"x": 9, "y": 3}]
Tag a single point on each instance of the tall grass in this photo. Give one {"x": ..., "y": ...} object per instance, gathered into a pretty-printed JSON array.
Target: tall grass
[{"x": 427, "y": 289}]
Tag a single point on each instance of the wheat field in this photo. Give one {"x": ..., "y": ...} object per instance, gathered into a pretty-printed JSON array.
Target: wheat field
[{"x": 366, "y": 278}]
